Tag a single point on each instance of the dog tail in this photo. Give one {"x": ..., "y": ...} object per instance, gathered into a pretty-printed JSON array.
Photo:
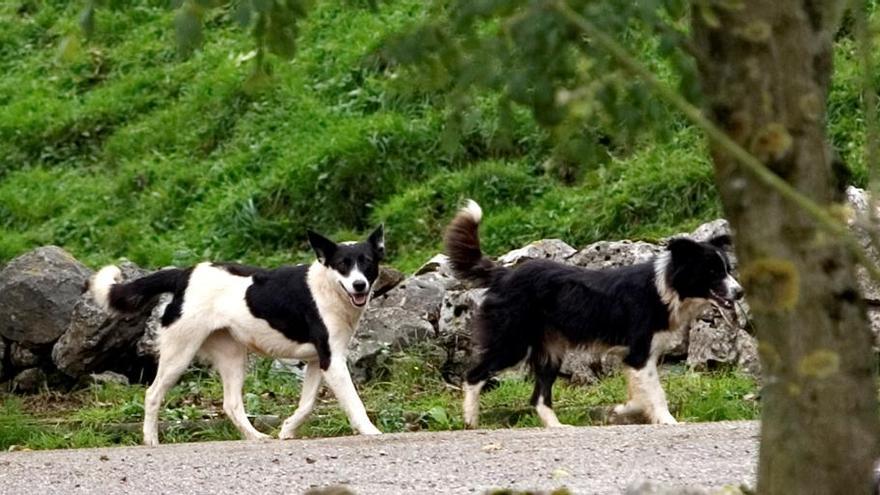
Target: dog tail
[
  {"x": 462, "y": 242},
  {"x": 130, "y": 297}
]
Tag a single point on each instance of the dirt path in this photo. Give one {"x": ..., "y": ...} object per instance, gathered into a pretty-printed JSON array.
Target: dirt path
[{"x": 586, "y": 460}]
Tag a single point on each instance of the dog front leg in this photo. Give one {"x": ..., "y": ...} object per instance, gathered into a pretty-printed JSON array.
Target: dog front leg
[
  {"x": 647, "y": 393},
  {"x": 632, "y": 406},
  {"x": 310, "y": 386},
  {"x": 339, "y": 380}
]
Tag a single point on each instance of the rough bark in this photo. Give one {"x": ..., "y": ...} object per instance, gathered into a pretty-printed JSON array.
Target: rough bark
[{"x": 765, "y": 70}]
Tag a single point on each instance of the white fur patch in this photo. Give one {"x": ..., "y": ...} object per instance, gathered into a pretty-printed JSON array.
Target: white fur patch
[
  {"x": 473, "y": 210},
  {"x": 646, "y": 393},
  {"x": 472, "y": 403},
  {"x": 348, "y": 282},
  {"x": 731, "y": 286},
  {"x": 548, "y": 417},
  {"x": 667, "y": 294},
  {"x": 333, "y": 303},
  {"x": 681, "y": 312},
  {"x": 101, "y": 284}
]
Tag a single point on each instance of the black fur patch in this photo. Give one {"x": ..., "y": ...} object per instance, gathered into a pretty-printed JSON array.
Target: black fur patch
[
  {"x": 174, "y": 308},
  {"x": 132, "y": 296},
  {"x": 282, "y": 298}
]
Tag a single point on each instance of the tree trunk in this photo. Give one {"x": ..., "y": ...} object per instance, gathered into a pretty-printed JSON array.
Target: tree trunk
[{"x": 765, "y": 70}]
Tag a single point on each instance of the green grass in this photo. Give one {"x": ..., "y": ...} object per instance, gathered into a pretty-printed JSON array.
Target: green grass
[
  {"x": 118, "y": 147},
  {"x": 411, "y": 396}
]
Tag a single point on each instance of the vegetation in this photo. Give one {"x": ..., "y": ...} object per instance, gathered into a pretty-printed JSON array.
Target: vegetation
[
  {"x": 118, "y": 146},
  {"x": 411, "y": 397}
]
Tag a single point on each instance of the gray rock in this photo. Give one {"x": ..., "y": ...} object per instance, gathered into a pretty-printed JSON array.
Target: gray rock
[
  {"x": 713, "y": 340},
  {"x": 609, "y": 254},
  {"x": 857, "y": 199},
  {"x": 388, "y": 279},
  {"x": 381, "y": 331},
  {"x": 38, "y": 291},
  {"x": 747, "y": 353},
  {"x": 437, "y": 263},
  {"x": 148, "y": 344},
  {"x": 454, "y": 330},
  {"x": 551, "y": 249},
  {"x": 457, "y": 312},
  {"x": 421, "y": 295},
  {"x": 97, "y": 341},
  {"x": 587, "y": 368},
  {"x": 29, "y": 381},
  {"x": 21, "y": 357},
  {"x": 869, "y": 289},
  {"x": 3, "y": 348},
  {"x": 711, "y": 229},
  {"x": 860, "y": 225},
  {"x": 109, "y": 377}
]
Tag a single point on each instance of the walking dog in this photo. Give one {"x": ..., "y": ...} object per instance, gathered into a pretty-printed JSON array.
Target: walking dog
[
  {"x": 540, "y": 308},
  {"x": 222, "y": 311}
]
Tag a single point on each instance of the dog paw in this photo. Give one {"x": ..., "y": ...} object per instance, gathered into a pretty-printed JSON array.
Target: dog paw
[
  {"x": 370, "y": 431},
  {"x": 255, "y": 437},
  {"x": 151, "y": 442},
  {"x": 286, "y": 434},
  {"x": 664, "y": 419}
]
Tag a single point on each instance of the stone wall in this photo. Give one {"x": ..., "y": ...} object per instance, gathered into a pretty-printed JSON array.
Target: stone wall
[{"x": 53, "y": 334}]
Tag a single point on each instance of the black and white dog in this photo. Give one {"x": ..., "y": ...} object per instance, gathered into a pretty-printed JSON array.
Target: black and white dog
[
  {"x": 541, "y": 308},
  {"x": 221, "y": 311}
]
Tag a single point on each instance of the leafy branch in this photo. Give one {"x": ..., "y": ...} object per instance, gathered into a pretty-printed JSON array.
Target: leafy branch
[{"x": 822, "y": 216}]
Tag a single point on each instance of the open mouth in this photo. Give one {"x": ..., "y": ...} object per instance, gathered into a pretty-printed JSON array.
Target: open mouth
[
  {"x": 722, "y": 301},
  {"x": 358, "y": 299}
]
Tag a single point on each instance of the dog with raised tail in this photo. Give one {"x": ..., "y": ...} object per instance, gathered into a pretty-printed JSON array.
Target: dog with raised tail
[
  {"x": 540, "y": 308},
  {"x": 221, "y": 311}
]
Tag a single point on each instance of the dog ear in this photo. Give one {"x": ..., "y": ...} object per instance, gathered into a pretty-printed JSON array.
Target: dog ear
[
  {"x": 722, "y": 241},
  {"x": 377, "y": 240},
  {"x": 682, "y": 246},
  {"x": 324, "y": 248}
]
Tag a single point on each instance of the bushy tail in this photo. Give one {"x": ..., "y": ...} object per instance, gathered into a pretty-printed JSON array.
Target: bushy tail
[
  {"x": 130, "y": 297},
  {"x": 463, "y": 246}
]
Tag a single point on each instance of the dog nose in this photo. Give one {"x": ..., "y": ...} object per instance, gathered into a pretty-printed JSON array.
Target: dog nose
[
  {"x": 359, "y": 285},
  {"x": 738, "y": 293}
]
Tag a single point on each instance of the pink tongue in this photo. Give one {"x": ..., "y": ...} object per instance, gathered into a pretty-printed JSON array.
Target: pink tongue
[{"x": 359, "y": 298}]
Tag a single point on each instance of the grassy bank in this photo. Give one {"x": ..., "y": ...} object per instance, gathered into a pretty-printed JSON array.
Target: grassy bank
[{"x": 118, "y": 146}]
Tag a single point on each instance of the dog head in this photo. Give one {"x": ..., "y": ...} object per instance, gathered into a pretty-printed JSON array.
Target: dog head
[
  {"x": 354, "y": 264},
  {"x": 700, "y": 270}
]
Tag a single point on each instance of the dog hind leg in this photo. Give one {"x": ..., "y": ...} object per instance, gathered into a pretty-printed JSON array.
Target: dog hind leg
[
  {"x": 230, "y": 360},
  {"x": 178, "y": 345},
  {"x": 491, "y": 361},
  {"x": 546, "y": 370}
]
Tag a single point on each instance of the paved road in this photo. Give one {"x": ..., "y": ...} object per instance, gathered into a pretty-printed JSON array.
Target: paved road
[{"x": 586, "y": 460}]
